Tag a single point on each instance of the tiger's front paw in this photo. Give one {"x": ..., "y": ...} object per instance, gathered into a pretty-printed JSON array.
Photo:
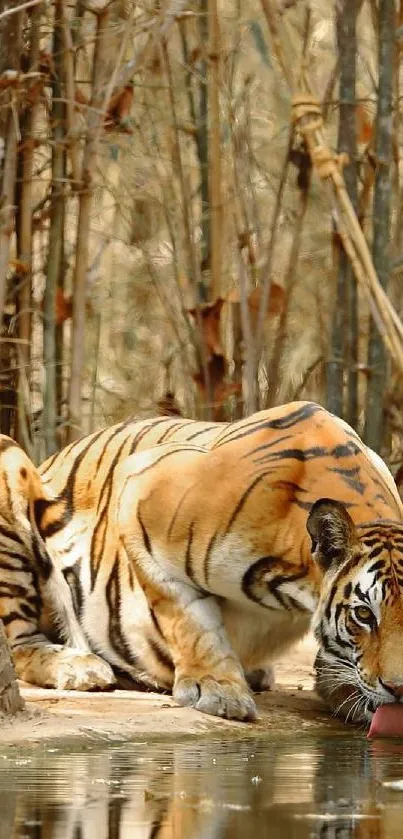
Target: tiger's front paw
[
  {"x": 212, "y": 696},
  {"x": 63, "y": 668}
]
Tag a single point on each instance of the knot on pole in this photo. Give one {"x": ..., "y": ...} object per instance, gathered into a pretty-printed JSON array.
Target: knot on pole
[{"x": 307, "y": 119}]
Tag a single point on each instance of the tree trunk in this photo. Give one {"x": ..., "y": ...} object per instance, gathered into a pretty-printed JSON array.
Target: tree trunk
[
  {"x": 198, "y": 112},
  {"x": 24, "y": 231},
  {"x": 344, "y": 346},
  {"x": 10, "y": 54},
  {"x": 56, "y": 236},
  {"x": 95, "y": 118},
  {"x": 381, "y": 218},
  {"x": 10, "y": 698},
  {"x": 214, "y": 135}
]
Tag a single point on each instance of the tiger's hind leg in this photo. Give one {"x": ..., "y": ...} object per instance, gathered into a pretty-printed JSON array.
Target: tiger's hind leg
[
  {"x": 54, "y": 666},
  {"x": 32, "y": 584}
]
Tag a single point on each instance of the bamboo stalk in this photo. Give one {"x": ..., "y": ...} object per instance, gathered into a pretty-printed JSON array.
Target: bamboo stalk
[
  {"x": 24, "y": 232},
  {"x": 215, "y": 177},
  {"x": 55, "y": 246},
  {"x": 94, "y": 123},
  {"x": 68, "y": 63},
  {"x": 308, "y": 120}
]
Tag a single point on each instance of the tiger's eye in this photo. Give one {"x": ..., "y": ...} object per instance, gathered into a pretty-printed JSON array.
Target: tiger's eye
[{"x": 363, "y": 614}]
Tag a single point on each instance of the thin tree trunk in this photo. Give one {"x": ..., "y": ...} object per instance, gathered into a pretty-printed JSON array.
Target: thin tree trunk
[
  {"x": 344, "y": 346},
  {"x": 24, "y": 235},
  {"x": 381, "y": 217},
  {"x": 10, "y": 698},
  {"x": 56, "y": 231},
  {"x": 198, "y": 109},
  {"x": 10, "y": 54},
  {"x": 95, "y": 118},
  {"x": 214, "y": 135}
]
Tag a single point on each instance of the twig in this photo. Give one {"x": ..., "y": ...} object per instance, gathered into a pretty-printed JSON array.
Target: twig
[{"x": 20, "y": 8}]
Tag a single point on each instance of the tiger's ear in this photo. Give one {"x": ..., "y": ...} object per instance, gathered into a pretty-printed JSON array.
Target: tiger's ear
[{"x": 332, "y": 531}]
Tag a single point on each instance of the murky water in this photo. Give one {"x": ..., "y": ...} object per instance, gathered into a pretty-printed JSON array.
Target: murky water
[{"x": 298, "y": 787}]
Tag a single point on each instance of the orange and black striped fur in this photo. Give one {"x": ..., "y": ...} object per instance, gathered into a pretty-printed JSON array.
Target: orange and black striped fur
[
  {"x": 188, "y": 550},
  {"x": 33, "y": 590}
]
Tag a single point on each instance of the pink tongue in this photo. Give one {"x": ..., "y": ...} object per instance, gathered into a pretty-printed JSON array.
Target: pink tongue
[{"x": 387, "y": 721}]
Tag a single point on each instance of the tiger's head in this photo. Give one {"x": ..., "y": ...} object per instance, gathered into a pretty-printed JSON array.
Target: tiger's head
[{"x": 359, "y": 619}]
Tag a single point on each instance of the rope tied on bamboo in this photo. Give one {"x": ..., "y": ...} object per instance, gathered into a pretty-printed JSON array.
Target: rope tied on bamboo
[{"x": 307, "y": 119}]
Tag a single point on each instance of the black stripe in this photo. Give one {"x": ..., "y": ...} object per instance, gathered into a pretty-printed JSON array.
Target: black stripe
[
  {"x": 28, "y": 610},
  {"x": 25, "y": 560},
  {"x": 208, "y": 426},
  {"x": 71, "y": 576},
  {"x": 363, "y": 595},
  {"x": 161, "y": 655},
  {"x": 377, "y": 566},
  {"x": 184, "y": 447},
  {"x": 146, "y": 538},
  {"x": 12, "y": 616},
  {"x": 378, "y": 549},
  {"x": 210, "y": 546},
  {"x": 351, "y": 478},
  {"x": 253, "y": 579},
  {"x": 113, "y": 599},
  {"x": 349, "y": 449},
  {"x": 301, "y": 455},
  {"x": 306, "y": 411},
  {"x": 242, "y": 501},
  {"x": 188, "y": 555},
  {"x": 267, "y": 446},
  {"x": 8, "y": 589},
  {"x": 96, "y": 553},
  {"x": 144, "y": 431},
  {"x": 42, "y": 558},
  {"x": 177, "y": 510},
  {"x": 10, "y": 534}
]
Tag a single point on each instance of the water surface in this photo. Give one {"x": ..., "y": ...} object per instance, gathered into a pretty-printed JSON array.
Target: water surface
[{"x": 298, "y": 786}]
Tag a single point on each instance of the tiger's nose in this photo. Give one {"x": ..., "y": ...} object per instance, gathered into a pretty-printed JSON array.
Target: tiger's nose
[{"x": 397, "y": 689}]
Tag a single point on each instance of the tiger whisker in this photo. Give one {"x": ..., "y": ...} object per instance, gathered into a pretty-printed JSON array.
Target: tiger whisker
[{"x": 351, "y": 696}]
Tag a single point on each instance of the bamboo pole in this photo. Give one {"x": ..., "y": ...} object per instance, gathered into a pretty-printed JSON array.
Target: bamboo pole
[
  {"x": 94, "y": 125},
  {"x": 214, "y": 66},
  {"x": 307, "y": 119}
]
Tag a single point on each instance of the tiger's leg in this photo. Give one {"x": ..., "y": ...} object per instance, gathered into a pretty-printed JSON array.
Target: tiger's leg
[
  {"x": 208, "y": 675},
  {"x": 22, "y": 609},
  {"x": 55, "y": 666}
]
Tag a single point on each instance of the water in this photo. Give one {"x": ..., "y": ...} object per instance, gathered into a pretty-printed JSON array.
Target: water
[{"x": 329, "y": 787}]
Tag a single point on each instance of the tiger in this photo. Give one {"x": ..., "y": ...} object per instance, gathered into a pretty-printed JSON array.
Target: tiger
[
  {"x": 199, "y": 552},
  {"x": 184, "y": 577}
]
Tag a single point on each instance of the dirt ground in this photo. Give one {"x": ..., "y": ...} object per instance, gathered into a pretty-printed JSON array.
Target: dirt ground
[{"x": 122, "y": 715}]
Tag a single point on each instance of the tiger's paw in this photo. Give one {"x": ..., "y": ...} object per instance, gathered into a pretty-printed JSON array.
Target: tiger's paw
[
  {"x": 261, "y": 680},
  {"x": 82, "y": 671},
  {"x": 219, "y": 698},
  {"x": 63, "y": 668}
]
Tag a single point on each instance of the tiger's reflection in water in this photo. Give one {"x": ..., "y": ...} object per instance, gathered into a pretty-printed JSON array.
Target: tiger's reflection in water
[{"x": 300, "y": 787}]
